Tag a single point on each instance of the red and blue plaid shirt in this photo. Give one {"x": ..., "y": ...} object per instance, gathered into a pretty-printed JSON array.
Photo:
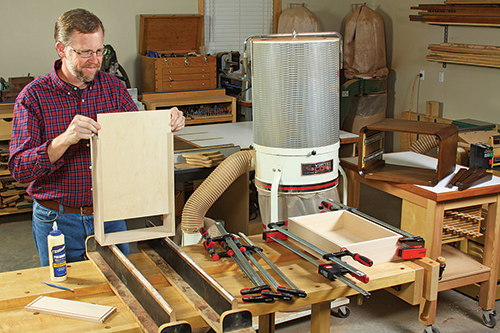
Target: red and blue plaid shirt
[{"x": 43, "y": 111}]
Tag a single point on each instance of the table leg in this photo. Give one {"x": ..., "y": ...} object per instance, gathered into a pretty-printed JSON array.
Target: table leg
[
  {"x": 434, "y": 229},
  {"x": 266, "y": 323},
  {"x": 353, "y": 188},
  {"x": 487, "y": 293},
  {"x": 320, "y": 317}
]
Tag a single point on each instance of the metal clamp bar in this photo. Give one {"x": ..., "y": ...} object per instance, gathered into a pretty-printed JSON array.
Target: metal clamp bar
[
  {"x": 249, "y": 271},
  {"x": 368, "y": 217},
  {"x": 269, "y": 262},
  {"x": 297, "y": 252},
  {"x": 317, "y": 263},
  {"x": 317, "y": 249},
  {"x": 262, "y": 271}
]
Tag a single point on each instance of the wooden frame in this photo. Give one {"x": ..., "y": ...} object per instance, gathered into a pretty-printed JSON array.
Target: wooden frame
[
  {"x": 372, "y": 166},
  {"x": 133, "y": 174},
  {"x": 334, "y": 230}
]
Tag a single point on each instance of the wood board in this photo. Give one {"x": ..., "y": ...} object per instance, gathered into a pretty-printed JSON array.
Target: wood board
[
  {"x": 334, "y": 230},
  {"x": 133, "y": 173},
  {"x": 71, "y": 309}
]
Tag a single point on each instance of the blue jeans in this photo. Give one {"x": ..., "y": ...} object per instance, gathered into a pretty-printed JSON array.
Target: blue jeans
[{"x": 75, "y": 228}]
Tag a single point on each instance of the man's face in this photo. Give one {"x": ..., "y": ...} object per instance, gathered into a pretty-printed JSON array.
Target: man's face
[{"x": 84, "y": 69}]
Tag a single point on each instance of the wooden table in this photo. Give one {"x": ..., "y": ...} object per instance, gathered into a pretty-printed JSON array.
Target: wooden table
[
  {"x": 422, "y": 214},
  {"x": 90, "y": 286}
]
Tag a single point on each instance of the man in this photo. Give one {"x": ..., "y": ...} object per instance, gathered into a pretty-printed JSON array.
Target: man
[{"x": 54, "y": 118}]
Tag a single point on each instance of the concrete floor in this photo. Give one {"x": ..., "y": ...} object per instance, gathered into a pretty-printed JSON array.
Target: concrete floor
[{"x": 382, "y": 312}]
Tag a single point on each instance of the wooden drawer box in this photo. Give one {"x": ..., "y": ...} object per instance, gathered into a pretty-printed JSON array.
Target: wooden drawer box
[
  {"x": 334, "y": 230},
  {"x": 177, "y": 41}
]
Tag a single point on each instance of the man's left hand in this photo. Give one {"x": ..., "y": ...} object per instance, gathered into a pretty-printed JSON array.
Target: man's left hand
[{"x": 178, "y": 120}]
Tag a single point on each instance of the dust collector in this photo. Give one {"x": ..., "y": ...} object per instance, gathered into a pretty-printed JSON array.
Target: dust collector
[{"x": 295, "y": 86}]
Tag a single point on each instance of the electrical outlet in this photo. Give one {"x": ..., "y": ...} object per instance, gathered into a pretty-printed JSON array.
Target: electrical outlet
[
  {"x": 422, "y": 75},
  {"x": 441, "y": 77}
]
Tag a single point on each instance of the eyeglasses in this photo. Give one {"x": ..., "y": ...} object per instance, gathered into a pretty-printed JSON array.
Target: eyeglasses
[{"x": 89, "y": 53}]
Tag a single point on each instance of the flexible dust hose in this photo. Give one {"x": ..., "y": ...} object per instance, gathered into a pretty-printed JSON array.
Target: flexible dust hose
[{"x": 212, "y": 188}]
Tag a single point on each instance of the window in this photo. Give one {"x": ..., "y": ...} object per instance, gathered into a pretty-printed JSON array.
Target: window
[{"x": 229, "y": 22}]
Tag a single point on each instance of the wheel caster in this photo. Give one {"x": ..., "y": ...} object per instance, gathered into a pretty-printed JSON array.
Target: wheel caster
[
  {"x": 431, "y": 329},
  {"x": 489, "y": 318},
  {"x": 342, "y": 312}
]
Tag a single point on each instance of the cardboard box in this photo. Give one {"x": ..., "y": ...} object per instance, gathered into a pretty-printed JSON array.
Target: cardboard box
[{"x": 175, "y": 39}]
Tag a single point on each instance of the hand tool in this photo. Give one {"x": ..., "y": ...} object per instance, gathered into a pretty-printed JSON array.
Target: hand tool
[
  {"x": 411, "y": 251},
  {"x": 294, "y": 290},
  {"x": 278, "y": 294},
  {"x": 331, "y": 271},
  {"x": 354, "y": 272},
  {"x": 246, "y": 268},
  {"x": 206, "y": 236},
  {"x": 356, "y": 256}
]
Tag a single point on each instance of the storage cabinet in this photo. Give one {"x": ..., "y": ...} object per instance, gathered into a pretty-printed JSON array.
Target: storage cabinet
[
  {"x": 171, "y": 48},
  {"x": 199, "y": 107}
]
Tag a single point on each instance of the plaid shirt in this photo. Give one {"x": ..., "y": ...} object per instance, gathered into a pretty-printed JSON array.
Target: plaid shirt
[{"x": 43, "y": 111}]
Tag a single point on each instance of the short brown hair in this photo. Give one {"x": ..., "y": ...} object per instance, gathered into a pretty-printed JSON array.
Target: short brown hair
[{"x": 79, "y": 20}]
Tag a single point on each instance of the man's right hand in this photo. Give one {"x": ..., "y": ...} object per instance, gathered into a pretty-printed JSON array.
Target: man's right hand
[{"x": 81, "y": 127}]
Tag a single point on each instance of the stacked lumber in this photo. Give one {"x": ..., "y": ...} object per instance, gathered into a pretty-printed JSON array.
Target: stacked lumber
[
  {"x": 484, "y": 13},
  {"x": 463, "y": 223},
  {"x": 205, "y": 159},
  {"x": 13, "y": 196},
  {"x": 469, "y": 54}
]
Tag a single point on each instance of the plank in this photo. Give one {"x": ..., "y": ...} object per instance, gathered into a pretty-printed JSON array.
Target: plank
[
  {"x": 71, "y": 309},
  {"x": 132, "y": 173}
]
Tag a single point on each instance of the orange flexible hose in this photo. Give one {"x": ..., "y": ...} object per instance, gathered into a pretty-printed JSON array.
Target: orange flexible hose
[{"x": 212, "y": 188}]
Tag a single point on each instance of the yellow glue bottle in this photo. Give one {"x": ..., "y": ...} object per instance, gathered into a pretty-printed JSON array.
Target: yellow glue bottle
[{"x": 57, "y": 254}]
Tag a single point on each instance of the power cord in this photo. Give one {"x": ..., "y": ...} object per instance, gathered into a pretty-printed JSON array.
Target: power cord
[{"x": 418, "y": 76}]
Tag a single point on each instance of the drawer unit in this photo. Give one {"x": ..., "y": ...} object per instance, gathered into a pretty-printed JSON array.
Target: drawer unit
[{"x": 170, "y": 48}]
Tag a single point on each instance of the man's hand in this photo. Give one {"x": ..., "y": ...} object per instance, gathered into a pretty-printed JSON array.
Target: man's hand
[
  {"x": 178, "y": 120},
  {"x": 81, "y": 127}
]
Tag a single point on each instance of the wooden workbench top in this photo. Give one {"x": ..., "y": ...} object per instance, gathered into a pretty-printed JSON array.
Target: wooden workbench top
[{"x": 90, "y": 286}]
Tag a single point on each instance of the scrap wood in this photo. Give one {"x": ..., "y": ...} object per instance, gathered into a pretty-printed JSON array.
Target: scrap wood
[
  {"x": 8, "y": 200},
  {"x": 12, "y": 192},
  {"x": 204, "y": 159}
]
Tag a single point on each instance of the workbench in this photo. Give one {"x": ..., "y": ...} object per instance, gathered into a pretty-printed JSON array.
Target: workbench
[
  {"x": 90, "y": 285},
  {"x": 422, "y": 213}
]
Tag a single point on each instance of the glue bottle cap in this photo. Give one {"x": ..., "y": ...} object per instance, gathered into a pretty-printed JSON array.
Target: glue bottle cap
[{"x": 55, "y": 231}]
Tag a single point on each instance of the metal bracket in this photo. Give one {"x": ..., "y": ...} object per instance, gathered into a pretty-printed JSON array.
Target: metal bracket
[
  {"x": 166, "y": 61},
  {"x": 186, "y": 60}
]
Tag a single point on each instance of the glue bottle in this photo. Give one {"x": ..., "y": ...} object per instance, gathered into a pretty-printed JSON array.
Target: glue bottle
[{"x": 57, "y": 254}]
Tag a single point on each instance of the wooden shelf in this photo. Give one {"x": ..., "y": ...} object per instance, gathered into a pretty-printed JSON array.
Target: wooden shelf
[
  {"x": 181, "y": 99},
  {"x": 466, "y": 14},
  {"x": 461, "y": 269},
  {"x": 484, "y": 15}
]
